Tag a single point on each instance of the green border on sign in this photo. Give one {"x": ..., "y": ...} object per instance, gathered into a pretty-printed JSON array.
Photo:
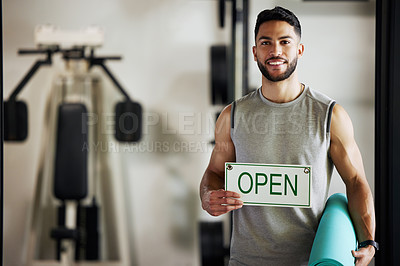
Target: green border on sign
[{"x": 275, "y": 165}]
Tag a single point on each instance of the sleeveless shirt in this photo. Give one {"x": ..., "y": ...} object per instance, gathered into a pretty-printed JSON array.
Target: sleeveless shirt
[{"x": 295, "y": 132}]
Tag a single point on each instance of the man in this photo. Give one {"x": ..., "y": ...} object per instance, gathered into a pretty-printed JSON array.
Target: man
[{"x": 285, "y": 122}]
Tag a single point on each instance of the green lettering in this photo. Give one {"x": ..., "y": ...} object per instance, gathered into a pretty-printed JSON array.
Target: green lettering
[
  {"x": 271, "y": 183},
  {"x": 251, "y": 183},
  {"x": 287, "y": 180},
  {"x": 262, "y": 184}
]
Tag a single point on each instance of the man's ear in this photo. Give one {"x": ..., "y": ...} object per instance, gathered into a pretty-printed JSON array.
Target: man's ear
[
  {"x": 300, "y": 50},
  {"x": 254, "y": 53}
]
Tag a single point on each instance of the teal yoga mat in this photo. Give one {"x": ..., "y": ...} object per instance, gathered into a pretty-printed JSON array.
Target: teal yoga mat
[{"x": 335, "y": 238}]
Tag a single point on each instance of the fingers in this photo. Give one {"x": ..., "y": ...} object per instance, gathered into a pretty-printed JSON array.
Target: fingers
[
  {"x": 225, "y": 193},
  {"x": 356, "y": 254},
  {"x": 222, "y": 209},
  {"x": 221, "y": 201},
  {"x": 218, "y": 201},
  {"x": 363, "y": 256}
]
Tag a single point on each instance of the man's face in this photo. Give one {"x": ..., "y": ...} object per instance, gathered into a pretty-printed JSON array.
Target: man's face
[{"x": 277, "y": 50}]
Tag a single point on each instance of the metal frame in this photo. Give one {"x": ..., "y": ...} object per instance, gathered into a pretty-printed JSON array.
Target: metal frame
[
  {"x": 1, "y": 137},
  {"x": 387, "y": 131},
  {"x": 75, "y": 53},
  {"x": 239, "y": 49}
]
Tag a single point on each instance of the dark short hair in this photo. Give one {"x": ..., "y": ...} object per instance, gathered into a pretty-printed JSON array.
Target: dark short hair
[{"x": 278, "y": 13}]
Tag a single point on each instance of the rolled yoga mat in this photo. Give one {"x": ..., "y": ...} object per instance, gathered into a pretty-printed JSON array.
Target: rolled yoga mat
[{"x": 335, "y": 237}]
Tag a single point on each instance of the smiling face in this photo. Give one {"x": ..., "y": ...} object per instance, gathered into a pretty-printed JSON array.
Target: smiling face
[{"x": 277, "y": 50}]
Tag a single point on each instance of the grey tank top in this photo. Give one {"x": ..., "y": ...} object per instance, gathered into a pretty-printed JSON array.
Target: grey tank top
[{"x": 296, "y": 132}]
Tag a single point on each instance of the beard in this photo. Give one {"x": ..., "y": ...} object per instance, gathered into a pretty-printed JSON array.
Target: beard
[{"x": 289, "y": 71}]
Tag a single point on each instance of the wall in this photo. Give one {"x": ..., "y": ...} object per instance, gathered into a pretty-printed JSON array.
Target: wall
[{"x": 165, "y": 66}]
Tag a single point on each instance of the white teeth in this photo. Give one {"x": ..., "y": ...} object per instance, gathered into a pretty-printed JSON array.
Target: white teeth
[{"x": 275, "y": 63}]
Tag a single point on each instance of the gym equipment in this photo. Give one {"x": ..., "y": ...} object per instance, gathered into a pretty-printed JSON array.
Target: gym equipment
[
  {"x": 71, "y": 182},
  {"x": 220, "y": 75},
  {"x": 213, "y": 251},
  {"x": 16, "y": 118},
  {"x": 229, "y": 81},
  {"x": 16, "y": 112},
  {"x": 128, "y": 120},
  {"x": 75, "y": 221},
  {"x": 229, "y": 63},
  {"x": 335, "y": 237},
  {"x": 221, "y": 11}
]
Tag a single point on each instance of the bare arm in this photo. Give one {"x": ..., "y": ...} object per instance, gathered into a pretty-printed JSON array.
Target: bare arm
[
  {"x": 215, "y": 200},
  {"x": 348, "y": 161}
]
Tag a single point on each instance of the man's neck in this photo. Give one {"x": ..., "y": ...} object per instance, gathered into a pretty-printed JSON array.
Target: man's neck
[{"x": 283, "y": 91}]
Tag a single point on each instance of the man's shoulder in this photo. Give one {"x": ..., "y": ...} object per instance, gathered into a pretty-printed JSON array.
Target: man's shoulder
[
  {"x": 250, "y": 96},
  {"x": 319, "y": 96}
]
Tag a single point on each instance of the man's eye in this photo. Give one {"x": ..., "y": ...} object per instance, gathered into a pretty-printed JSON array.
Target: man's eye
[
  {"x": 285, "y": 42},
  {"x": 265, "y": 43}
]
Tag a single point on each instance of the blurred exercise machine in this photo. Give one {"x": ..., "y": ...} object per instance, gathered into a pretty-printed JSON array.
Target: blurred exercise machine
[
  {"x": 229, "y": 81},
  {"x": 16, "y": 112},
  {"x": 229, "y": 63},
  {"x": 67, "y": 220}
]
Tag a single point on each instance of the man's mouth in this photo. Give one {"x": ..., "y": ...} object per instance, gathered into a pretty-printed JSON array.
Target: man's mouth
[{"x": 276, "y": 62}]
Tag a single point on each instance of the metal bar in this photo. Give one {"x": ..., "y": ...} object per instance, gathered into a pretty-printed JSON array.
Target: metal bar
[
  {"x": 395, "y": 147},
  {"x": 232, "y": 48},
  {"x": 114, "y": 80},
  {"x": 245, "y": 51},
  {"x": 239, "y": 49},
  {"x": 30, "y": 74},
  {"x": 387, "y": 130},
  {"x": 31, "y": 51},
  {"x": 1, "y": 137},
  {"x": 221, "y": 9}
]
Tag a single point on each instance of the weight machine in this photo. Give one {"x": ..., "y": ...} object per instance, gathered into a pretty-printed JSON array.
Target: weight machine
[
  {"x": 229, "y": 81},
  {"x": 68, "y": 217}
]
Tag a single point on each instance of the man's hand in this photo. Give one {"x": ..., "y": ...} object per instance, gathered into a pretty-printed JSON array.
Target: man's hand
[
  {"x": 364, "y": 255},
  {"x": 217, "y": 202}
]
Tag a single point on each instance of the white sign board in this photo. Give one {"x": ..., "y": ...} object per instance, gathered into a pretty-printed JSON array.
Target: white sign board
[{"x": 270, "y": 185}]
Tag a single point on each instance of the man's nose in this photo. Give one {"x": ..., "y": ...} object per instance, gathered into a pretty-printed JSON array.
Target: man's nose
[{"x": 276, "y": 50}]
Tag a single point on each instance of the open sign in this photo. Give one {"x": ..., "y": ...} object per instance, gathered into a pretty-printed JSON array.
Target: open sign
[{"x": 270, "y": 185}]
